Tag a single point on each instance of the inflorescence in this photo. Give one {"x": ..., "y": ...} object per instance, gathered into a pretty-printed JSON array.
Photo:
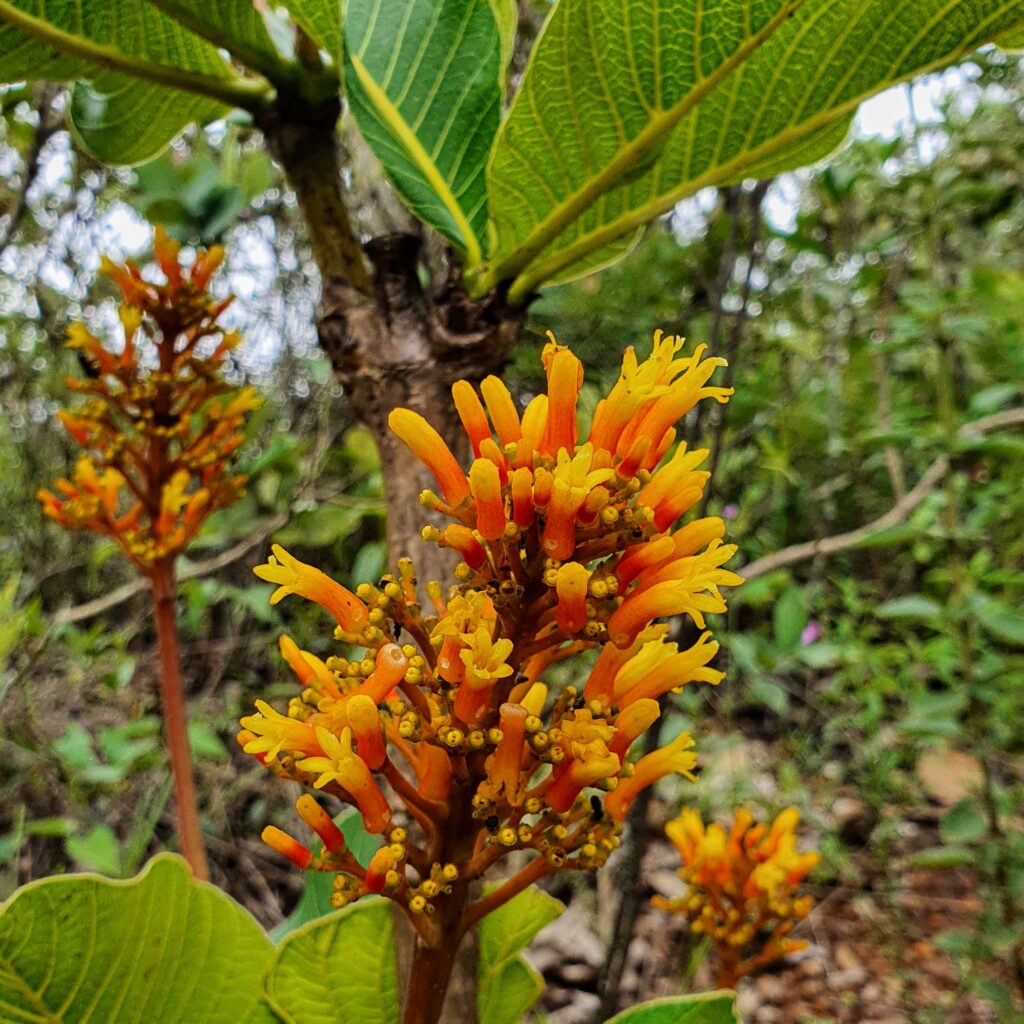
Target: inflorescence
[
  {"x": 158, "y": 428},
  {"x": 742, "y": 888},
  {"x": 447, "y": 734}
]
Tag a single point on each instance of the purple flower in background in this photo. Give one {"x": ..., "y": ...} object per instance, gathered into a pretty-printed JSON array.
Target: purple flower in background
[
  {"x": 730, "y": 511},
  {"x": 811, "y": 634}
]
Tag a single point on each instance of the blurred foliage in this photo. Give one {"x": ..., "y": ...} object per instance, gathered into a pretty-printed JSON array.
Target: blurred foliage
[{"x": 863, "y": 335}]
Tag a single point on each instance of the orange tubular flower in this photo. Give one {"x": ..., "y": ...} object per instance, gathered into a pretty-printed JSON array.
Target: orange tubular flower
[
  {"x": 485, "y": 485},
  {"x": 320, "y": 822},
  {"x": 295, "y": 577},
  {"x": 568, "y": 545},
  {"x": 571, "y": 587},
  {"x": 742, "y": 887},
  {"x": 287, "y": 847},
  {"x": 430, "y": 449}
]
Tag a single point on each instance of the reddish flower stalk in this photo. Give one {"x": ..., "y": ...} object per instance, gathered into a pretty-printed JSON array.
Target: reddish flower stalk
[
  {"x": 447, "y": 730},
  {"x": 157, "y": 445}
]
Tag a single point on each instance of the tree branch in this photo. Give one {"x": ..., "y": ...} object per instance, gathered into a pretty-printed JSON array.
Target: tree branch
[
  {"x": 99, "y": 605},
  {"x": 897, "y": 515},
  {"x": 235, "y": 91}
]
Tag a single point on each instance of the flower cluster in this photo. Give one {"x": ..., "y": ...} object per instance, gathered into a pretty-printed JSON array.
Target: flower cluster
[
  {"x": 742, "y": 887},
  {"x": 566, "y": 546},
  {"x": 158, "y": 427}
]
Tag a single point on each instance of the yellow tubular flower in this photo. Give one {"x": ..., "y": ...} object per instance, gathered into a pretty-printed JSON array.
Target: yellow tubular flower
[
  {"x": 675, "y": 758},
  {"x": 295, "y": 577},
  {"x": 338, "y": 763}
]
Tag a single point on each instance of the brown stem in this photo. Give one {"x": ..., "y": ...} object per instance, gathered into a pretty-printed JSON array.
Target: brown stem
[
  {"x": 433, "y": 963},
  {"x": 172, "y": 699},
  {"x": 533, "y": 872}
]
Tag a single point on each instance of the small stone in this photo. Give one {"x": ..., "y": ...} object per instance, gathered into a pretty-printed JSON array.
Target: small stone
[
  {"x": 747, "y": 1002},
  {"x": 581, "y": 1010},
  {"x": 849, "y": 979},
  {"x": 577, "y": 975},
  {"x": 854, "y": 820},
  {"x": 772, "y": 989}
]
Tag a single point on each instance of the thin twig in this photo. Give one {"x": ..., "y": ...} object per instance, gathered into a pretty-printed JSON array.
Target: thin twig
[
  {"x": 897, "y": 515},
  {"x": 99, "y": 605}
]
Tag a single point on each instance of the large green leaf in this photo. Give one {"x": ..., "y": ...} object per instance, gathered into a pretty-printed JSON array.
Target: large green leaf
[
  {"x": 159, "y": 949},
  {"x": 237, "y": 25},
  {"x": 423, "y": 82},
  {"x": 124, "y": 121},
  {"x": 339, "y": 969},
  {"x": 628, "y": 107},
  {"x": 144, "y": 75},
  {"x": 129, "y": 28},
  {"x": 708, "y": 1008},
  {"x": 507, "y": 986}
]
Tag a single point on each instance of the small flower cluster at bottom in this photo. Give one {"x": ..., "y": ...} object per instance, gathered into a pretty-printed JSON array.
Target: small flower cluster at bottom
[{"x": 742, "y": 887}]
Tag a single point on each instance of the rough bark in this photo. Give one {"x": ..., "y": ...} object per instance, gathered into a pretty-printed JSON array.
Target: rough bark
[{"x": 391, "y": 341}]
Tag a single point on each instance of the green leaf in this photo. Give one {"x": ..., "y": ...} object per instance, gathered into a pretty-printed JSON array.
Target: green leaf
[
  {"x": 321, "y": 21},
  {"x": 204, "y": 742},
  {"x": 913, "y": 606},
  {"x": 507, "y": 986},
  {"x": 134, "y": 64},
  {"x": 1003, "y": 623},
  {"x": 964, "y": 822},
  {"x": 625, "y": 109},
  {"x": 1012, "y": 40},
  {"x": 942, "y": 858},
  {"x": 159, "y": 949},
  {"x": 338, "y": 970},
  {"x": 98, "y": 850},
  {"x": 706, "y": 1008},
  {"x": 506, "y": 16},
  {"x": 315, "y": 901},
  {"x": 789, "y": 616},
  {"x": 424, "y": 88},
  {"x": 769, "y": 693},
  {"x": 236, "y": 25}
]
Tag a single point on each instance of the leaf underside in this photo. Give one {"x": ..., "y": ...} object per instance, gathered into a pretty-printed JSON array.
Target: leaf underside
[
  {"x": 119, "y": 120},
  {"x": 159, "y": 949},
  {"x": 423, "y": 83},
  {"x": 628, "y": 107}
]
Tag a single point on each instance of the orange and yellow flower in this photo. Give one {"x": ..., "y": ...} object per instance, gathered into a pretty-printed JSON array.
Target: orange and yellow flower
[
  {"x": 742, "y": 887},
  {"x": 567, "y": 544},
  {"x": 158, "y": 432}
]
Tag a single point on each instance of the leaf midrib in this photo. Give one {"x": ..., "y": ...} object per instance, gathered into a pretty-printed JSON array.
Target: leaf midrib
[
  {"x": 534, "y": 275},
  {"x": 415, "y": 150},
  {"x": 573, "y": 206}
]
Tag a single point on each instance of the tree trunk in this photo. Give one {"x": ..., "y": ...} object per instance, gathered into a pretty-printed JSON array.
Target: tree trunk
[{"x": 391, "y": 342}]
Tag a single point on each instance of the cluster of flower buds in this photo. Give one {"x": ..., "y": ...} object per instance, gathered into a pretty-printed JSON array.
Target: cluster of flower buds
[
  {"x": 159, "y": 423},
  {"x": 742, "y": 887},
  {"x": 457, "y": 745}
]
